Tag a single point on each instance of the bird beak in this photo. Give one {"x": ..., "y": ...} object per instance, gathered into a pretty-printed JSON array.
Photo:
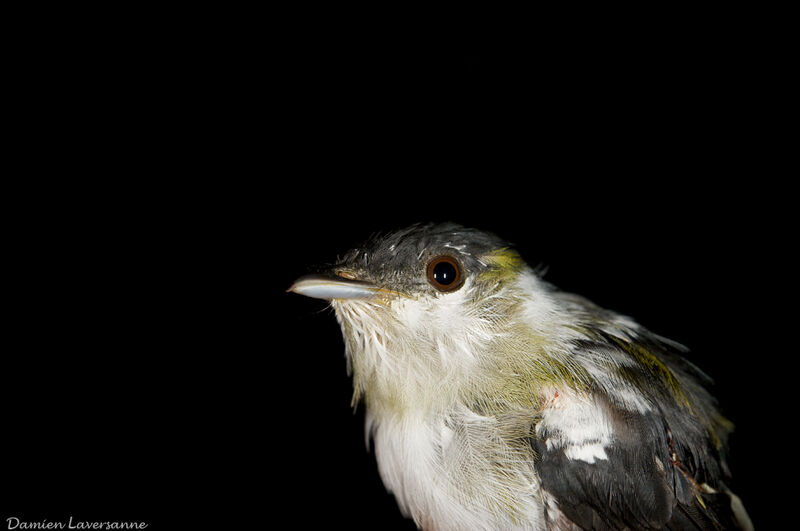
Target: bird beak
[{"x": 323, "y": 287}]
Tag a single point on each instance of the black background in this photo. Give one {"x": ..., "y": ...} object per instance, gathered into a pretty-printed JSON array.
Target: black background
[{"x": 174, "y": 178}]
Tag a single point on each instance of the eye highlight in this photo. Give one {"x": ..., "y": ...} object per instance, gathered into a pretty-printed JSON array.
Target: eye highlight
[{"x": 445, "y": 273}]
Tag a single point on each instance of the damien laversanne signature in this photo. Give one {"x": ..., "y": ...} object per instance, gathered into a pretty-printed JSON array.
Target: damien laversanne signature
[{"x": 15, "y": 523}]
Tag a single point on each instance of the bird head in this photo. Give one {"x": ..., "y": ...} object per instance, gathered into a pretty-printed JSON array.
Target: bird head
[{"x": 436, "y": 313}]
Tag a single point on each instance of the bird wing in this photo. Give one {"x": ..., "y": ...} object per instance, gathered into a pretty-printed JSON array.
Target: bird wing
[{"x": 605, "y": 464}]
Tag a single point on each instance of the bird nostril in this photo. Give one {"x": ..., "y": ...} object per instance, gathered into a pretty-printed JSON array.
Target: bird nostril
[{"x": 349, "y": 275}]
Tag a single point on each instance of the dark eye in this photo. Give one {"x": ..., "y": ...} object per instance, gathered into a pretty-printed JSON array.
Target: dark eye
[{"x": 444, "y": 272}]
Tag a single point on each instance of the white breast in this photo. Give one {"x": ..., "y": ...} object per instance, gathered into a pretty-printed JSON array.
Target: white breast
[{"x": 452, "y": 471}]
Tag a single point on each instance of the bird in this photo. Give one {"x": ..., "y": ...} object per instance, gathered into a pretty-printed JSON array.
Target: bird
[{"x": 494, "y": 400}]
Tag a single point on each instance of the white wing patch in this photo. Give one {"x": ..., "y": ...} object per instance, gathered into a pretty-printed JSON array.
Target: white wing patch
[{"x": 576, "y": 424}]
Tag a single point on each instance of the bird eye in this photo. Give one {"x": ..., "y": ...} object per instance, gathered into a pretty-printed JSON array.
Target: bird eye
[{"x": 444, "y": 273}]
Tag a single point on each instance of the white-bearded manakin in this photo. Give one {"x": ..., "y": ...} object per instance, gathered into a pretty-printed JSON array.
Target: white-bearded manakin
[{"x": 496, "y": 401}]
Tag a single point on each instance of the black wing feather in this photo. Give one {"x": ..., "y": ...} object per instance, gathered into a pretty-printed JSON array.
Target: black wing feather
[
  {"x": 627, "y": 490},
  {"x": 658, "y": 464}
]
